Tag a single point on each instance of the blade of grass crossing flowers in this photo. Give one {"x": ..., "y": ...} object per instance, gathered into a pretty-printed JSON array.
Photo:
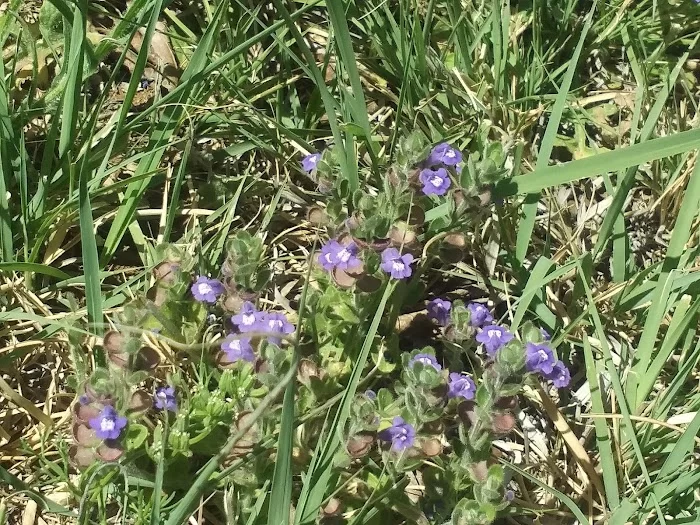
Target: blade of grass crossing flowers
[
  {"x": 602, "y": 431},
  {"x": 315, "y": 485},
  {"x": 628, "y": 428},
  {"x": 534, "y": 285},
  {"x": 6, "y": 171},
  {"x": 281, "y": 493},
  {"x": 164, "y": 130},
  {"x": 527, "y": 223}
]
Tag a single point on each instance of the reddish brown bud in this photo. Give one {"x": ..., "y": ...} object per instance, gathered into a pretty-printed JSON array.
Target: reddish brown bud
[
  {"x": 81, "y": 457},
  {"x": 503, "y": 422},
  {"x": 140, "y": 401},
  {"x": 84, "y": 413},
  {"x": 479, "y": 471},
  {"x": 360, "y": 445},
  {"x": 507, "y": 403},
  {"x": 431, "y": 447},
  {"x": 332, "y": 508},
  {"x": 467, "y": 413},
  {"x": 146, "y": 359},
  {"x": 84, "y": 435},
  {"x": 317, "y": 215},
  {"x": 110, "y": 451}
]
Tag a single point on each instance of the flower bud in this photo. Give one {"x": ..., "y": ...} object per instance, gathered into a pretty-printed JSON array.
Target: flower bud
[
  {"x": 453, "y": 247},
  {"x": 317, "y": 215},
  {"x": 431, "y": 447},
  {"x": 360, "y": 445},
  {"x": 110, "y": 451},
  {"x": 503, "y": 422},
  {"x": 140, "y": 402},
  {"x": 332, "y": 508},
  {"x": 81, "y": 457}
]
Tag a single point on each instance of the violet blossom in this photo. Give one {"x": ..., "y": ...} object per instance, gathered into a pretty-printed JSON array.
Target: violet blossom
[
  {"x": 165, "y": 398},
  {"x": 108, "y": 424},
  {"x": 275, "y": 323},
  {"x": 539, "y": 358},
  {"x": 207, "y": 290},
  {"x": 395, "y": 264},
  {"x": 247, "y": 318},
  {"x": 445, "y": 154},
  {"x": 435, "y": 182},
  {"x": 335, "y": 255},
  {"x": 479, "y": 315},
  {"x": 425, "y": 360},
  {"x": 401, "y": 434},
  {"x": 559, "y": 376},
  {"x": 310, "y": 162},
  {"x": 461, "y": 385},
  {"x": 237, "y": 349},
  {"x": 493, "y": 337},
  {"x": 439, "y": 309}
]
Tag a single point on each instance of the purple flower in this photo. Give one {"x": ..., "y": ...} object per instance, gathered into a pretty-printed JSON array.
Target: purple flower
[
  {"x": 425, "y": 360},
  {"x": 560, "y": 375},
  {"x": 108, "y": 424},
  {"x": 401, "y": 434},
  {"x": 395, "y": 264},
  {"x": 461, "y": 385},
  {"x": 493, "y": 337},
  {"x": 310, "y": 162},
  {"x": 165, "y": 398},
  {"x": 539, "y": 358},
  {"x": 509, "y": 495},
  {"x": 237, "y": 349},
  {"x": 247, "y": 319},
  {"x": 545, "y": 334},
  {"x": 84, "y": 400},
  {"x": 444, "y": 154},
  {"x": 275, "y": 323},
  {"x": 479, "y": 315},
  {"x": 439, "y": 309},
  {"x": 207, "y": 290},
  {"x": 335, "y": 255},
  {"x": 370, "y": 394},
  {"x": 435, "y": 182}
]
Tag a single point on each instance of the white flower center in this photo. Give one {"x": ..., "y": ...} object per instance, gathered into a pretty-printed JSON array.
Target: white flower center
[
  {"x": 398, "y": 266},
  {"x": 204, "y": 289},
  {"x": 344, "y": 255},
  {"x": 494, "y": 333},
  {"x": 424, "y": 360},
  {"x": 274, "y": 323},
  {"x": 450, "y": 154},
  {"x": 313, "y": 159},
  {"x": 542, "y": 354},
  {"x": 248, "y": 319},
  {"x": 327, "y": 258},
  {"x": 235, "y": 344},
  {"x": 436, "y": 181},
  {"x": 107, "y": 424}
]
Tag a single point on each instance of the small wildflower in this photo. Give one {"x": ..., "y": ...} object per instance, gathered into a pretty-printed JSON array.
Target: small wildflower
[
  {"x": 108, "y": 424},
  {"x": 84, "y": 400},
  {"x": 509, "y": 495},
  {"x": 275, "y": 323},
  {"x": 539, "y": 358},
  {"x": 425, "y": 360},
  {"x": 370, "y": 394},
  {"x": 444, "y": 154},
  {"x": 207, "y": 290},
  {"x": 395, "y": 264},
  {"x": 335, "y": 255},
  {"x": 310, "y": 162},
  {"x": 247, "y": 319},
  {"x": 560, "y": 375},
  {"x": 479, "y": 315},
  {"x": 439, "y": 309},
  {"x": 237, "y": 349},
  {"x": 401, "y": 434},
  {"x": 545, "y": 334},
  {"x": 165, "y": 398},
  {"x": 435, "y": 182},
  {"x": 461, "y": 385},
  {"x": 493, "y": 337}
]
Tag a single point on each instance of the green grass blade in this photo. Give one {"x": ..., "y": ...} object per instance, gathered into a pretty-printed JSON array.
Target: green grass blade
[
  {"x": 602, "y": 431},
  {"x": 33, "y": 268},
  {"x": 281, "y": 493},
  {"x": 597, "y": 164},
  {"x": 6, "y": 171},
  {"x": 527, "y": 223}
]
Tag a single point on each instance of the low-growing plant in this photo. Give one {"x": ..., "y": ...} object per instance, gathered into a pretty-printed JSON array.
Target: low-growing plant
[{"x": 430, "y": 407}]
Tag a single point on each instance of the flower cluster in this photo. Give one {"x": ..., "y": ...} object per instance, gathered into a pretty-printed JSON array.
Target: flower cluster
[
  {"x": 435, "y": 177},
  {"x": 335, "y": 255}
]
